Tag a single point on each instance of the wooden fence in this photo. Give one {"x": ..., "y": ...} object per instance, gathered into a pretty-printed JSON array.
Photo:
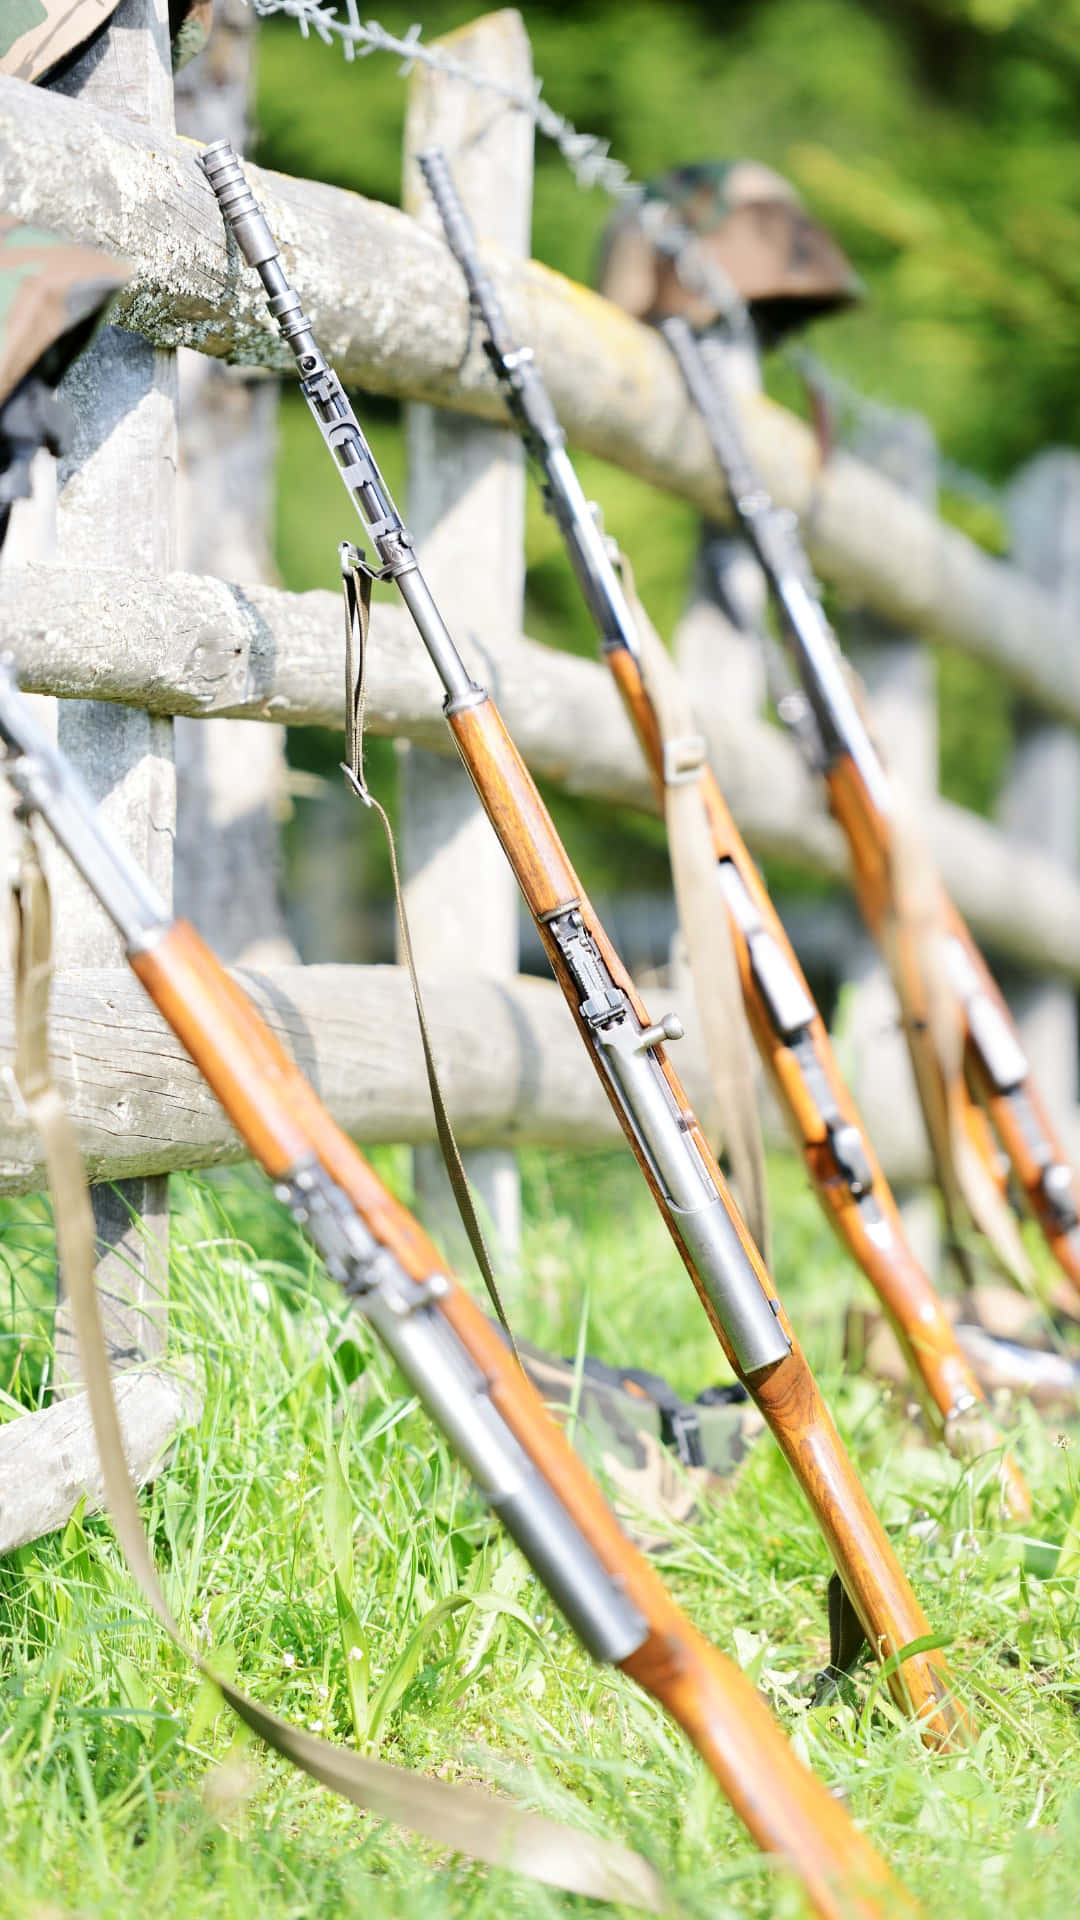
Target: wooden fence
[{"x": 113, "y": 622}]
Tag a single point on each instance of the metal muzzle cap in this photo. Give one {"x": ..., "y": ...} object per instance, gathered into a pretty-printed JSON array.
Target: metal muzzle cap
[{"x": 238, "y": 204}]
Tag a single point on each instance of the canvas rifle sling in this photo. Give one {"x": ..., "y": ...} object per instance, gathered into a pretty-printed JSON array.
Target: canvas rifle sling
[
  {"x": 356, "y": 580},
  {"x": 461, "y": 1818},
  {"x": 703, "y": 917}
]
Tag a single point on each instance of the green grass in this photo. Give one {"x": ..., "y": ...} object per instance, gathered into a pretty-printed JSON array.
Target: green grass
[{"x": 126, "y": 1788}]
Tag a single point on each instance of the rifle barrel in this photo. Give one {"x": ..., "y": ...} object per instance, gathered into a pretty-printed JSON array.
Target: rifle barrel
[
  {"x": 788, "y": 1030},
  {"x": 627, "y": 1050},
  {"x": 534, "y": 416},
  {"x": 771, "y": 534},
  {"x": 458, "y": 1366},
  {"x": 996, "y": 1071}
]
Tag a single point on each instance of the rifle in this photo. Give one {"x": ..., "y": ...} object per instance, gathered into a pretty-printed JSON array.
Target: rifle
[
  {"x": 790, "y": 1034},
  {"x": 995, "y": 1068},
  {"x": 626, "y": 1046},
  {"x": 451, "y": 1356}
]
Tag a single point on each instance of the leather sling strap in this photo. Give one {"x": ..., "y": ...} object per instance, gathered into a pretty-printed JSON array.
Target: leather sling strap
[
  {"x": 465, "y": 1819},
  {"x": 356, "y": 580},
  {"x": 706, "y": 927}
]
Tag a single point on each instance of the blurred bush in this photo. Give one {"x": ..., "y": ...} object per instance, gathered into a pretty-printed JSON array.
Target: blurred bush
[{"x": 937, "y": 140}]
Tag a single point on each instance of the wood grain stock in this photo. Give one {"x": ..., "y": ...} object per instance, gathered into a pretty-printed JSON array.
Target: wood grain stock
[
  {"x": 267, "y": 1098},
  {"x": 867, "y": 837},
  {"x": 626, "y": 674},
  {"x": 1005, "y": 1122},
  {"x": 724, "y": 1717},
  {"x": 785, "y": 1808},
  {"x": 938, "y": 1365},
  {"x": 787, "y": 1394},
  {"x": 238, "y": 1057}
]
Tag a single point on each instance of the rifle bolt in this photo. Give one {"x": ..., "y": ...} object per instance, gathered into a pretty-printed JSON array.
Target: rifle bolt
[{"x": 669, "y": 1028}]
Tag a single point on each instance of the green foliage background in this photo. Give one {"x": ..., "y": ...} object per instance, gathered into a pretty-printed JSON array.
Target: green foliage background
[{"x": 937, "y": 138}]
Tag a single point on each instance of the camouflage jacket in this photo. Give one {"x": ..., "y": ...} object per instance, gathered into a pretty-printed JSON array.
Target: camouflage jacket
[
  {"x": 52, "y": 295},
  {"x": 36, "y": 35}
]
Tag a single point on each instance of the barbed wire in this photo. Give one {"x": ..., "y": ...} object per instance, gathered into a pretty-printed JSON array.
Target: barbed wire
[
  {"x": 587, "y": 155},
  {"x": 590, "y": 161}
]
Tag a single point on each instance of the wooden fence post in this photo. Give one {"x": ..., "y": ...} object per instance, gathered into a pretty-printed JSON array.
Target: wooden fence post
[
  {"x": 115, "y": 506},
  {"x": 230, "y": 774},
  {"x": 467, "y": 509},
  {"x": 717, "y": 640},
  {"x": 899, "y": 674},
  {"x": 1040, "y": 797}
]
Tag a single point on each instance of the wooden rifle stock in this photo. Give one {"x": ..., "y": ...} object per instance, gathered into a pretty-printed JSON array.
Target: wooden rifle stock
[
  {"x": 993, "y": 1061},
  {"x": 280, "y": 1117},
  {"x": 1017, "y": 1139},
  {"x": 786, "y": 1392},
  {"x": 624, "y": 1046},
  {"x": 1017, "y": 1115},
  {"x": 937, "y": 1362},
  {"x": 790, "y": 1035}
]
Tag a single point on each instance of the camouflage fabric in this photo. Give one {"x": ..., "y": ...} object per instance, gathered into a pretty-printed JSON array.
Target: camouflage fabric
[
  {"x": 190, "y": 22},
  {"x": 52, "y": 294},
  {"x": 660, "y": 1455},
  {"x": 751, "y": 225},
  {"x": 36, "y": 35}
]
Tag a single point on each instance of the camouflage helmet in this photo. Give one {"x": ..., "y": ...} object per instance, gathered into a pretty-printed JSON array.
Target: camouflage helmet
[
  {"x": 52, "y": 294},
  {"x": 751, "y": 227},
  {"x": 35, "y": 35}
]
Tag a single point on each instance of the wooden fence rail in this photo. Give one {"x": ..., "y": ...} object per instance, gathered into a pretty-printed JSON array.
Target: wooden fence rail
[
  {"x": 189, "y": 644},
  {"x": 509, "y": 1059},
  {"x": 387, "y": 303}
]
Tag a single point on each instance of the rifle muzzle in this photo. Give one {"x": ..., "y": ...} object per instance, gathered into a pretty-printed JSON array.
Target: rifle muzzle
[
  {"x": 237, "y": 203},
  {"x": 457, "y": 226}
]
